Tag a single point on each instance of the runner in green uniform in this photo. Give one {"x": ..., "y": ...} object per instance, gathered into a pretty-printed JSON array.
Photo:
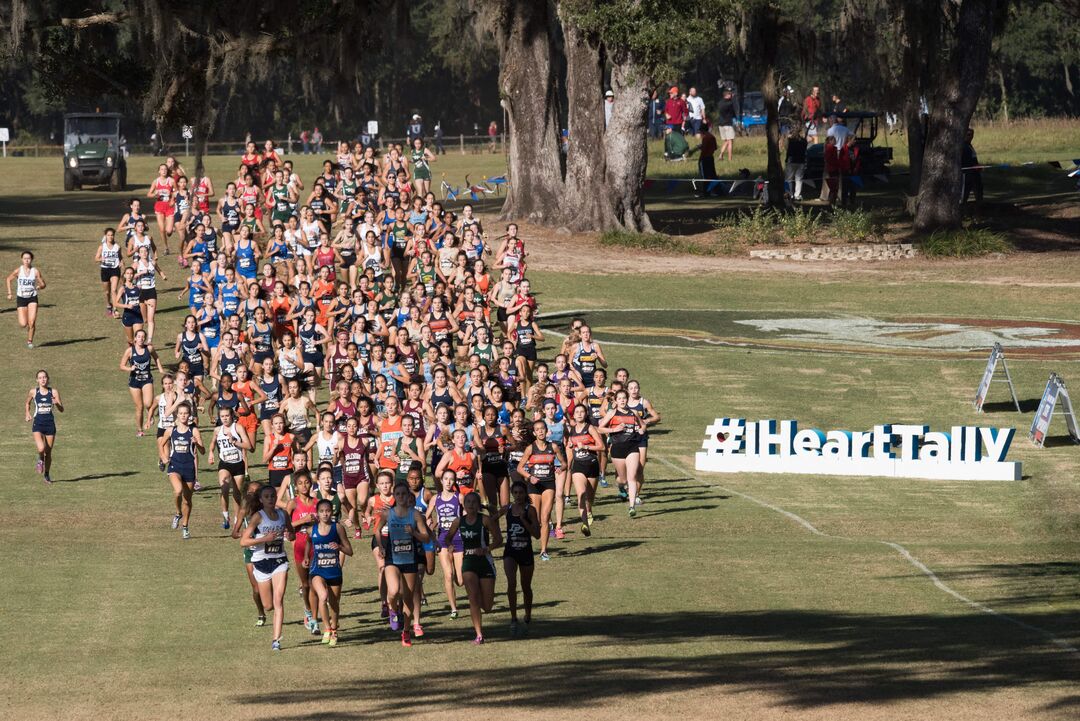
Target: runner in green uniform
[
  {"x": 281, "y": 199},
  {"x": 479, "y": 536},
  {"x": 421, "y": 159}
]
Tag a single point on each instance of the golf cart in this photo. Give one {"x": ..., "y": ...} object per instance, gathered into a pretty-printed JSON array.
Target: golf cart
[
  {"x": 94, "y": 151},
  {"x": 752, "y": 116},
  {"x": 863, "y": 124}
]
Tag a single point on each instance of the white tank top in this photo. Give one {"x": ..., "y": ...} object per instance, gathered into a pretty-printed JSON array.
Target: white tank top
[
  {"x": 146, "y": 274},
  {"x": 110, "y": 257},
  {"x": 266, "y": 526},
  {"x": 27, "y": 283},
  {"x": 327, "y": 447},
  {"x": 164, "y": 421},
  {"x": 226, "y": 438}
]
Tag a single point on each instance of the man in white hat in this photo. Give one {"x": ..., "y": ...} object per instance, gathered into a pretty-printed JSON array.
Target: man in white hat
[{"x": 609, "y": 101}]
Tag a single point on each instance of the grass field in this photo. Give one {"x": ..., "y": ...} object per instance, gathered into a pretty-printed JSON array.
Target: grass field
[{"x": 749, "y": 596}]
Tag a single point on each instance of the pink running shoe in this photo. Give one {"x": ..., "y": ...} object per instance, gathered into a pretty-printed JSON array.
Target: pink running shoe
[
  {"x": 560, "y": 533},
  {"x": 478, "y": 641},
  {"x": 39, "y": 466}
]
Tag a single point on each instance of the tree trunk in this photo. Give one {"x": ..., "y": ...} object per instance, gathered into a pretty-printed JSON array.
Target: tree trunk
[
  {"x": 1004, "y": 96},
  {"x": 767, "y": 38},
  {"x": 524, "y": 37},
  {"x": 959, "y": 84},
  {"x": 626, "y": 146},
  {"x": 586, "y": 167},
  {"x": 916, "y": 138},
  {"x": 1068, "y": 77}
]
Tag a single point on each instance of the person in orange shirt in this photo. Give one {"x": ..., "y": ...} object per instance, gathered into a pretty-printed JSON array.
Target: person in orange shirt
[
  {"x": 278, "y": 450},
  {"x": 252, "y": 394}
]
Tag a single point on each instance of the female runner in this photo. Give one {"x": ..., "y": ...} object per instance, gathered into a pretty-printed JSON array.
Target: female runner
[
  {"x": 301, "y": 510},
  {"x": 231, "y": 440},
  {"x": 162, "y": 189},
  {"x": 127, "y": 299},
  {"x": 442, "y": 512},
  {"x": 251, "y": 496},
  {"x": 108, "y": 260},
  {"x": 273, "y": 388},
  {"x": 191, "y": 346},
  {"x": 130, "y": 218},
  {"x": 40, "y": 403},
  {"x": 537, "y": 466},
  {"x": 425, "y": 553},
  {"x": 30, "y": 281},
  {"x": 327, "y": 443},
  {"x": 421, "y": 159},
  {"x": 491, "y": 438},
  {"x": 355, "y": 473},
  {"x": 478, "y": 568},
  {"x": 522, "y": 526},
  {"x": 178, "y": 449},
  {"x": 463, "y": 462},
  {"x": 278, "y": 450},
  {"x": 584, "y": 441},
  {"x": 146, "y": 272},
  {"x": 648, "y": 416},
  {"x": 526, "y": 333},
  {"x": 323, "y": 564},
  {"x": 268, "y": 528},
  {"x": 405, "y": 526},
  {"x": 137, "y": 362},
  {"x": 624, "y": 428}
]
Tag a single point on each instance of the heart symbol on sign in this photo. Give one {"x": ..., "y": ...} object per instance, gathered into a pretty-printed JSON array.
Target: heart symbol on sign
[{"x": 721, "y": 436}]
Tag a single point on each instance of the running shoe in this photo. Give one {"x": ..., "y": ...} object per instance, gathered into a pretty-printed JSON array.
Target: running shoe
[
  {"x": 585, "y": 530},
  {"x": 333, "y": 640},
  {"x": 405, "y": 640},
  {"x": 418, "y": 630},
  {"x": 139, "y": 434},
  {"x": 632, "y": 512},
  {"x": 560, "y": 533},
  {"x": 514, "y": 629},
  {"x": 423, "y": 599},
  {"x": 385, "y": 611},
  {"x": 395, "y": 622},
  {"x": 225, "y": 523},
  {"x": 603, "y": 482},
  {"x": 197, "y": 486},
  {"x": 453, "y": 614},
  {"x": 176, "y": 521},
  {"x": 478, "y": 641},
  {"x": 623, "y": 493},
  {"x": 161, "y": 466},
  {"x": 314, "y": 628},
  {"x": 326, "y": 637},
  {"x": 276, "y": 645},
  {"x": 590, "y": 518},
  {"x": 356, "y": 534},
  {"x": 544, "y": 556},
  {"x": 108, "y": 311},
  {"x": 186, "y": 533},
  {"x": 551, "y": 530},
  {"x": 48, "y": 479},
  {"x": 29, "y": 344},
  {"x": 39, "y": 466},
  {"x": 566, "y": 501},
  {"x": 260, "y": 621}
]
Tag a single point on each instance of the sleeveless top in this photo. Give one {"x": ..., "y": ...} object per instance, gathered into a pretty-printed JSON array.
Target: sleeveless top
[
  {"x": 27, "y": 283},
  {"x": 325, "y": 561},
  {"x": 110, "y": 256},
  {"x": 228, "y": 451},
  {"x": 266, "y": 526},
  {"x": 401, "y": 544}
]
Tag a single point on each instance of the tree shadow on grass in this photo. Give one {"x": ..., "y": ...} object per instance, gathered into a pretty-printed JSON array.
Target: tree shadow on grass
[
  {"x": 805, "y": 659},
  {"x": 1029, "y": 405},
  {"x": 95, "y": 477},
  {"x": 71, "y": 341},
  {"x": 1022, "y": 584},
  {"x": 1058, "y": 441}
]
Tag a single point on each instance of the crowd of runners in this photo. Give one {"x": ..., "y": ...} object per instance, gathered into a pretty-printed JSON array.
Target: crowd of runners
[{"x": 357, "y": 362}]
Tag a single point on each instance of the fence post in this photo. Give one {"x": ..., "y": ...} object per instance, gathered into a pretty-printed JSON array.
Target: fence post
[
  {"x": 35, "y": 150},
  {"x": 461, "y": 140}
]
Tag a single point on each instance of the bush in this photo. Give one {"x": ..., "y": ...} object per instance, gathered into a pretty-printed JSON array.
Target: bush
[
  {"x": 965, "y": 243},
  {"x": 752, "y": 227},
  {"x": 801, "y": 225},
  {"x": 854, "y": 225}
]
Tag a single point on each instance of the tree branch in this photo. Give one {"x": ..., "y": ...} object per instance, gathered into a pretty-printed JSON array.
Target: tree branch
[{"x": 99, "y": 19}]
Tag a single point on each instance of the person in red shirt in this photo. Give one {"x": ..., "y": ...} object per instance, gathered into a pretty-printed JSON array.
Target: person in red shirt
[
  {"x": 675, "y": 109},
  {"x": 811, "y": 113},
  {"x": 707, "y": 160},
  {"x": 832, "y": 167},
  {"x": 850, "y": 167}
]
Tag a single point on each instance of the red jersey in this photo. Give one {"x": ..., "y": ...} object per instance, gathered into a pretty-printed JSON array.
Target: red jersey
[{"x": 282, "y": 459}]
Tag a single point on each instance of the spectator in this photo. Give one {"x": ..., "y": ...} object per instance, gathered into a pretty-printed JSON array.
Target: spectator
[
  {"x": 493, "y": 133},
  {"x": 609, "y": 101},
  {"x": 795, "y": 161},
  {"x": 785, "y": 111},
  {"x": 836, "y": 106},
  {"x": 972, "y": 179},
  {"x": 305, "y": 141},
  {"x": 696, "y": 108},
  {"x": 674, "y": 109},
  {"x": 316, "y": 140},
  {"x": 707, "y": 163},
  {"x": 850, "y": 169},
  {"x": 811, "y": 113},
  {"x": 838, "y": 130},
  {"x": 439, "y": 149},
  {"x": 725, "y": 122},
  {"x": 675, "y": 145},
  {"x": 831, "y": 175},
  {"x": 415, "y": 129},
  {"x": 656, "y": 116}
]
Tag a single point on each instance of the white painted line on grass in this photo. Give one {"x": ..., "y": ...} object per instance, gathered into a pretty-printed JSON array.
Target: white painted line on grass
[{"x": 904, "y": 553}]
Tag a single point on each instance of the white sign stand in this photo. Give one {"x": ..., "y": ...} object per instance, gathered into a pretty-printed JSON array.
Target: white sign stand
[
  {"x": 1055, "y": 393},
  {"x": 5, "y": 136},
  {"x": 997, "y": 354}
]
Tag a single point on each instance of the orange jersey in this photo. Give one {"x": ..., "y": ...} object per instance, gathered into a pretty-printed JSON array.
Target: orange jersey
[{"x": 282, "y": 460}]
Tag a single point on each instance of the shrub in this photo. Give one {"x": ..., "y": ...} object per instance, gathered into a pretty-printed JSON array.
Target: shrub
[
  {"x": 854, "y": 225},
  {"x": 965, "y": 243}
]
